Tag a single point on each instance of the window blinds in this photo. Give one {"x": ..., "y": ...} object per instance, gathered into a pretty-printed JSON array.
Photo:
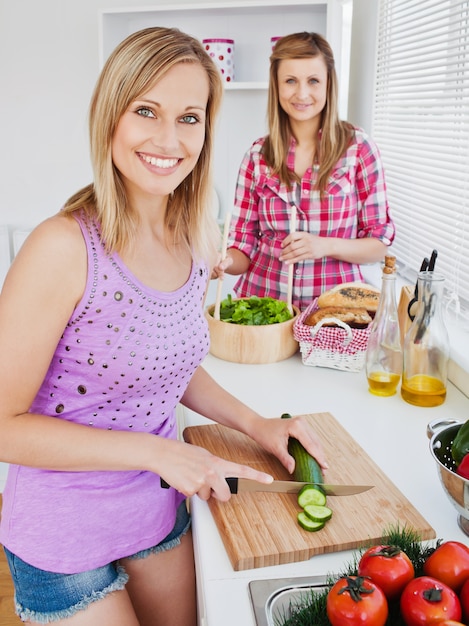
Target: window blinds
[{"x": 421, "y": 125}]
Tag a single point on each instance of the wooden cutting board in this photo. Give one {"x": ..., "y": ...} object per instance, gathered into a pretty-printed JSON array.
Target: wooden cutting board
[{"x": 260, "y": 529}]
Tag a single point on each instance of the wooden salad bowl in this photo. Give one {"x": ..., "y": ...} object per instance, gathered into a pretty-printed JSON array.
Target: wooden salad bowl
[{"x": 251, "y": 344}]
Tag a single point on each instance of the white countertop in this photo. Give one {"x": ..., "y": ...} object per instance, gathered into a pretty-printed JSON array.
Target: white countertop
[{"x": 392, "y": 432}]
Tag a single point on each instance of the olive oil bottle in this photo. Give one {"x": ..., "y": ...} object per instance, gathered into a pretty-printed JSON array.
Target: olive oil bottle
[
  {"x": 426, "y": 346},
  {"x": 384, "y": 353}
]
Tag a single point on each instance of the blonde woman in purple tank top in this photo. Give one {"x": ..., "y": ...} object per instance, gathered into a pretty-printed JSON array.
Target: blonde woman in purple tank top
[{"x": 102, "y": 335}]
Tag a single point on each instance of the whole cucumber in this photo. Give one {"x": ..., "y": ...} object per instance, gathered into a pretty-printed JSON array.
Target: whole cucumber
[{"x": 307, "y": 469}]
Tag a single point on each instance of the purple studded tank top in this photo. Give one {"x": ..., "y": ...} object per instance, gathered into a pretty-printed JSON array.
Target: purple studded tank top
[{"x": 123, "y": 363}]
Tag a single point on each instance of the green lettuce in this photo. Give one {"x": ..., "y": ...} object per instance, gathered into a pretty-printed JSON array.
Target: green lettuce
[{"x": 254, "y": 311}]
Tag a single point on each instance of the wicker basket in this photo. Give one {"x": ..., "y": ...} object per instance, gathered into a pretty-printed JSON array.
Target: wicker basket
[{"x": 340, "y": 347}]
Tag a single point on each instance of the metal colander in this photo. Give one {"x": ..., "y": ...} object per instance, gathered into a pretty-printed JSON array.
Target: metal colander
[{"x": 442, "y": 434}]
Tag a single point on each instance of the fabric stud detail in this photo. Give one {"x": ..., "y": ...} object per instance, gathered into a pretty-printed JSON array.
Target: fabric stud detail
[{"x": 145, "y": 357}]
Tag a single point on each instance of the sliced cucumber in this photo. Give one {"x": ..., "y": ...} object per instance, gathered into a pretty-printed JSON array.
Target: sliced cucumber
[
  {"x": 310, "y": 497},
  {"x": 310, "y": 494},
  {"x": 308, "y": 524},
  {"x": 318, "y": 513}
]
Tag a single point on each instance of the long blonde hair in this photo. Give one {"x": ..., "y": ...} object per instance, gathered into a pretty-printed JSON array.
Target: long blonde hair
[
  {"x": 132, "y": 69},
  {"x": 335, "y": 134}
]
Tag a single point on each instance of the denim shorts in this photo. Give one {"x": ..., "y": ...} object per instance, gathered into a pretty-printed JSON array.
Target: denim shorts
[{"x": 45, "y": 597}]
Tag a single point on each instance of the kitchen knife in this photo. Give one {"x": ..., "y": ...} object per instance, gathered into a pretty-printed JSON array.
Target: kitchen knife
[
  {"x": 427, "y": 266},
  {"x": 244, "y": 485}
]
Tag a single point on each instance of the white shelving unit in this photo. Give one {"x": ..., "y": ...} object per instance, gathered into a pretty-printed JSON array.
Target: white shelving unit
[{"x": 251, "y": 25}]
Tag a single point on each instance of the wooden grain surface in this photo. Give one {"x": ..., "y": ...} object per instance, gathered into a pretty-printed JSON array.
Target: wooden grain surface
[
  {"x": 406, "y": 295},
  {"x": 260, "y": 529},
  {"x": 7, "y": 610}
]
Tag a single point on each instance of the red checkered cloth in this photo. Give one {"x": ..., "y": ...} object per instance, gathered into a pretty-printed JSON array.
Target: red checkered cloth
[{"x": 321, "y": 345}]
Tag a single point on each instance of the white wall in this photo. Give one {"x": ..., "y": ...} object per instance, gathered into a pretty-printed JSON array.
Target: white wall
[
  {"x": 49, "y": 61},
  {"x": 362, "y": 63}
]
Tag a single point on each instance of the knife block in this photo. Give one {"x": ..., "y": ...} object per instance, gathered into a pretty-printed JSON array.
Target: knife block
[{"x": 407, "y": 293}]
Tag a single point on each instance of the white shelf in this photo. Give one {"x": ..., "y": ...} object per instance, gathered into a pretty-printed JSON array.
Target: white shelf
[
  {"x": 250, "y": 25},
  {"x": 242, "y": 85}
]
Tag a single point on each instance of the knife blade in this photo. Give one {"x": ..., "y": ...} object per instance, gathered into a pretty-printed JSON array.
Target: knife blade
[{"x": 244, "y": 485}]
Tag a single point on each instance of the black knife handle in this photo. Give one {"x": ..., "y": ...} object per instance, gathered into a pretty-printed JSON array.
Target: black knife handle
[{"x": 232, "y": 484}]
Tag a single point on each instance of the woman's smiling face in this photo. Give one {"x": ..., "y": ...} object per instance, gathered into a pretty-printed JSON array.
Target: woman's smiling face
[
  {"x": 159, "y": 138},
  {"x": 302, "y": 85}
]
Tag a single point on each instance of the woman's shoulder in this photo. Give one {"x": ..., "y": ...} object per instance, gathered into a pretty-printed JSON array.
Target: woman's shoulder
[
  {"x": 57, "y": 237},
  {"x": 59, "y": 232},
  {"x": 361, "y": 137},
  {"x": 52, "y": 260},
  {"x": 254, "y": 156},
  {"x": 256, "y": 146}
]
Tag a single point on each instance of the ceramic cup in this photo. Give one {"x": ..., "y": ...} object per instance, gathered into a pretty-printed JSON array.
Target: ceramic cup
[
  {"x": 273, "y": 41},
  {"x": 222, "y": 52}
]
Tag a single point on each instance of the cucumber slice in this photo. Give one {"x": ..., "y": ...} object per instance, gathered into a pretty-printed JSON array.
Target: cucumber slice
[
  {"x": 309, "y": 494},
  {"x": 308, "y": 524},
  {"x": 318, "y": 513}
]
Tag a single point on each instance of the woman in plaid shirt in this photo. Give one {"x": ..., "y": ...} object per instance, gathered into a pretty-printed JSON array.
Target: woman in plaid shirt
[{"x": 328, "y": 169}]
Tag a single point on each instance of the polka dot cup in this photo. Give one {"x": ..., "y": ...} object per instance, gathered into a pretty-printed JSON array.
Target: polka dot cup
[
  {"x": 273, "y": 41},
  {"x": 222, "y": 52}
]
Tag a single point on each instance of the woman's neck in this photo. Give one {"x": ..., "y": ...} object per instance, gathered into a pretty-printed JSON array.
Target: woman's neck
[{"x": 306, "y": 133}]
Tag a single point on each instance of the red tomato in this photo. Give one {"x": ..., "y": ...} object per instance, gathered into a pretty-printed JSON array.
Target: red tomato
[
  {"x": 354, "y": 600},
  {"x": 449, "y": 563},
  {"x": 388, "y": 567},
  {"x": 464, "y": 599},
  {"x": 449, "y": 622},
  {"x": 426, "y": 600}
]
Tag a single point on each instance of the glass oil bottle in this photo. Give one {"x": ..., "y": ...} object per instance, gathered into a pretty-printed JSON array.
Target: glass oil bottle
[
  {"x": 426, "y": 346},
  {"x": 384, "y": 352}
]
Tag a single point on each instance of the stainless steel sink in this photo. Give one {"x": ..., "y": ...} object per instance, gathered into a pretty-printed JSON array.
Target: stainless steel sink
[{"x": 271, "y": 599}]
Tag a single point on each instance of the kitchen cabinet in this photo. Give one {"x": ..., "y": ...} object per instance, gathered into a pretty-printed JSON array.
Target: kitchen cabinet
[{"x": 251, "y": 25}]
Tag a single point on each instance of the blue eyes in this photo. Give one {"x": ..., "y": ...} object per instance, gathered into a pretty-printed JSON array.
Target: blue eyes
[
  {"x": 293, "y": 81},
  {"x": 144, "y": 112},
  {"x": 190, "y": 118}
]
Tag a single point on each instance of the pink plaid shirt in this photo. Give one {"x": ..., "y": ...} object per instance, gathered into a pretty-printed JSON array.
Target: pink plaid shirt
[{"x": 354, "y": 206}]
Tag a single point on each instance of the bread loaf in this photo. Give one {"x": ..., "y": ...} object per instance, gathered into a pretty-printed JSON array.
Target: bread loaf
[
  {"x": 355, "y": 318},
  {"x": 351, "y": 296}
]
